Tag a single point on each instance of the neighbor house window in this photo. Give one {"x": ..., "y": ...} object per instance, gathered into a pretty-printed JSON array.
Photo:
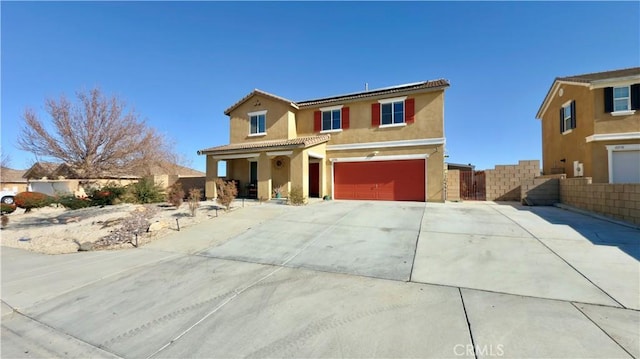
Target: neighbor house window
[
  {"x": 568, "y": 117},
  {"x": 331, "y": 120},
  {"x": 621, "y": 98},
  {"x": 392, "y": 112},
  {"x": 257, "y": 122}
]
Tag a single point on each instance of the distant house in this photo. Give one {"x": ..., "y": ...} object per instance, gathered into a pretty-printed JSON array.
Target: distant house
[
  {"x": 12, "y": 180},
  {"x": 381, "y": 144},
  {"x": 591, "y": 126},
  {"x": 55, "y": 178}
]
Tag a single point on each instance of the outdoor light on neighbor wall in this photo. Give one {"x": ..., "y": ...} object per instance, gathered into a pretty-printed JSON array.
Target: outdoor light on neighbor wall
[{"x": 563, "y": 160}]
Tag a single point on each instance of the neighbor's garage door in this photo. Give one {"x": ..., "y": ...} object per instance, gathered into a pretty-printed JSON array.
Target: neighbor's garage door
[
  {"x": 625, "y": 166},
  {"x": 381, "y": 180}
]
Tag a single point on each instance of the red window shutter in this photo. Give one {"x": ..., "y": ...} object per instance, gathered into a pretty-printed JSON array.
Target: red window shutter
[
  {"x": 409, "y": 110},
  {"x": 345, "y": 118},
  {"x": 317, "y": 121},
  {"x": 375, "y": 114}
]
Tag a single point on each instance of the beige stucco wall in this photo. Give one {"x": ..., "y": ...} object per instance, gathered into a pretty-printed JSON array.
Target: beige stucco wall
[
  {"x": 570, "y": 146},
  {"x": 606, "y": 123},
  {"x": 428, "y": 124},
  {"x": 277, "y": 120}
]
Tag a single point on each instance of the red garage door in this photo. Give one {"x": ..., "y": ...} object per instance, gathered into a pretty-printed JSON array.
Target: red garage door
[{"x": 381, "y": 180}]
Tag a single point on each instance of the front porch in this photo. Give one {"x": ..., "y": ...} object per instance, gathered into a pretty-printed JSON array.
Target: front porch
[{"x": 267, "y": 165}]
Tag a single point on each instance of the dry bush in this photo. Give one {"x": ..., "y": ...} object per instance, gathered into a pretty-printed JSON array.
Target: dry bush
[
  {"x": 227, "y": 192},
  {"x": 194, "y": 200},
  {"x": 295, "y": 196},
  {"x": 175, "y": 194}
]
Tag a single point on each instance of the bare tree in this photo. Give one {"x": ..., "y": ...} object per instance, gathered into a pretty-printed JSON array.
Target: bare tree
[
  {"x": 5, "y": 161},
  {"x": 96, "y": 137}
]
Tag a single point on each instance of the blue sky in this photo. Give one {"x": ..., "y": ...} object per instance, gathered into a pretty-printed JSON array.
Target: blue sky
[{"x": 180, "y": 65}]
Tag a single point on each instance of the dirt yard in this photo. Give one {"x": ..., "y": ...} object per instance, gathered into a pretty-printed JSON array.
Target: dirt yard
[{"x": 56, "y": 230}]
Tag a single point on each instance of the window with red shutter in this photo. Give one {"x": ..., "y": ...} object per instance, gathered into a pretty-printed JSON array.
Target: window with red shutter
[
  {"x": 317, "y": 121},
  {"x": 375, "y": 114},
  {"x": 345, "y": 118},
  {"x": 409, "y": 105}
]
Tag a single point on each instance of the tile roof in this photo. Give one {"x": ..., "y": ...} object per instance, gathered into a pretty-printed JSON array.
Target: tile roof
[
  {"x": 10, "y": 175},
  {"x": 440, "y": 83},
  {"x": 262, "y": 145},
  {"x": 604, "y": 75},
  {"x": 432, "y": 84},
  {"x": 258, "y": 92}
]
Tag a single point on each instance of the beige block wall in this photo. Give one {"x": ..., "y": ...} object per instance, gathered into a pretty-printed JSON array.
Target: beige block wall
[
  {"x": 453, "y": 185},
  {"x": 428, "y": 121},
  {"x": 503, "y": 182},
  {"x": 619, "y": 201},
  {"x": 435, "y": 166},
  {"x": 541, "y": 191}
]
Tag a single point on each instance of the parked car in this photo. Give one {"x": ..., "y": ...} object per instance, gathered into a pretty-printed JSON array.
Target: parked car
[{"x": 7, "y": 196}]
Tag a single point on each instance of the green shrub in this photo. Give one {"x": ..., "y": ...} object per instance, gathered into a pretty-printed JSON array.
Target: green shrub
[
  {"x": 175, "y": 194},
  {"x": 295, "y": 196},
  {"x": 7, "y": 208},
  {"x": 144, "y": 191},
  {"x": 107, "y": 195},
  {"x": 29, "y": 200},
  {"x": 72, "y": 202}
]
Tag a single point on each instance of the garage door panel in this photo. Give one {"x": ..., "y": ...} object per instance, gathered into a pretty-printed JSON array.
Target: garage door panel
[
  {"x": 626, "y": 166},
  {"x": 380, "y": 180}
]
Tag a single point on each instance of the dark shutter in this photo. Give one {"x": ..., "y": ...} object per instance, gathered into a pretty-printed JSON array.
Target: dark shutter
[
  {"x": 635, "y": 97},
  {"x": 375, "y": 114},
  {"x": 317, "y": 121},
  {"x": 573, "y": 114},
  {"x": 608, "y": 99},
  {"x": 345, "y": 118},
  {"x": 561, "y": 120},
  {"x": 409, "y": 110}
]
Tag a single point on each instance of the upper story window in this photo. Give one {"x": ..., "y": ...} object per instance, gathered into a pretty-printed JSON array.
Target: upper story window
[
  {"x": 258, "y": 122},
  {"x": 568, "y": 117},
  {"x": 331, "y": 119},
  {"x": 392, "y": 112},
  {"x": 621, "y": 98}
]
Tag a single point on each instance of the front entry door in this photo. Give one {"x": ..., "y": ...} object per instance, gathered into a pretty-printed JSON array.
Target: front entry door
[{"x": 314, "y": 180}]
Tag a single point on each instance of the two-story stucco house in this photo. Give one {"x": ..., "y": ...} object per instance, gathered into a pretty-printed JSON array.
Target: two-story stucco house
[
  {"x": 591, "y": 126},
  {"x": 383, "y": 144}
]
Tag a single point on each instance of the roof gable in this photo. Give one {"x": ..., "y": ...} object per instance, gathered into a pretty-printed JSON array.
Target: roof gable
[
  {"x": 259, "y": 92},
  {"x": 592, "y": 80}
]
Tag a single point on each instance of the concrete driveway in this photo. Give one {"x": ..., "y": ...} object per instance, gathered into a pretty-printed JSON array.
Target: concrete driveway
[{"x": 339, "y": 279}]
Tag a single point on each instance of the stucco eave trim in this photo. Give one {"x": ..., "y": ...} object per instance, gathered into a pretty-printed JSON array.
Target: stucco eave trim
[
  {"x": 613, "y": 137},
  {"x": 387, "y": 144}
]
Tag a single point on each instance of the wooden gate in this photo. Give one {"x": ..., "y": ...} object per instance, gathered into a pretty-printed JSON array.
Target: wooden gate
[{"x": 472, "y": 185}]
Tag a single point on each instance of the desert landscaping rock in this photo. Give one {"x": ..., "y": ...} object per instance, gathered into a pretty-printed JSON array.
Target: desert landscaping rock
[
  {"x": 158, "y": 226},
  {"x": 52, "y": 230}
]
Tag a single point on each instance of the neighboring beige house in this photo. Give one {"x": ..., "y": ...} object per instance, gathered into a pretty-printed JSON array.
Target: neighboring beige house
[
  {"x": 383, "y": 144},
  {"x": 591, "y": 126},
  {"x": 12, "y": 180},
  {"x": 55, "y": 178}
]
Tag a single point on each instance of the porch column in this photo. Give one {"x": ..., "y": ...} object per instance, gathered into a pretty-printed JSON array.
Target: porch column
[
  {"x": 210, "y": 190},
  {"x": 323, "y": 178},
  {"x": 264, "y": 176},
  {"x": 300, "y": 171}
]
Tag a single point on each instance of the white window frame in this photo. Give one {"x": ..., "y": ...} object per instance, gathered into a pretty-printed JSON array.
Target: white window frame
[
  {"x": 330, "y": 110},
  {"x": 628, "y": 98},
  {"x": 567, "y": 128},
  {"x": 392, "y": 101},
  {"x": 257, "y": 114}
]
